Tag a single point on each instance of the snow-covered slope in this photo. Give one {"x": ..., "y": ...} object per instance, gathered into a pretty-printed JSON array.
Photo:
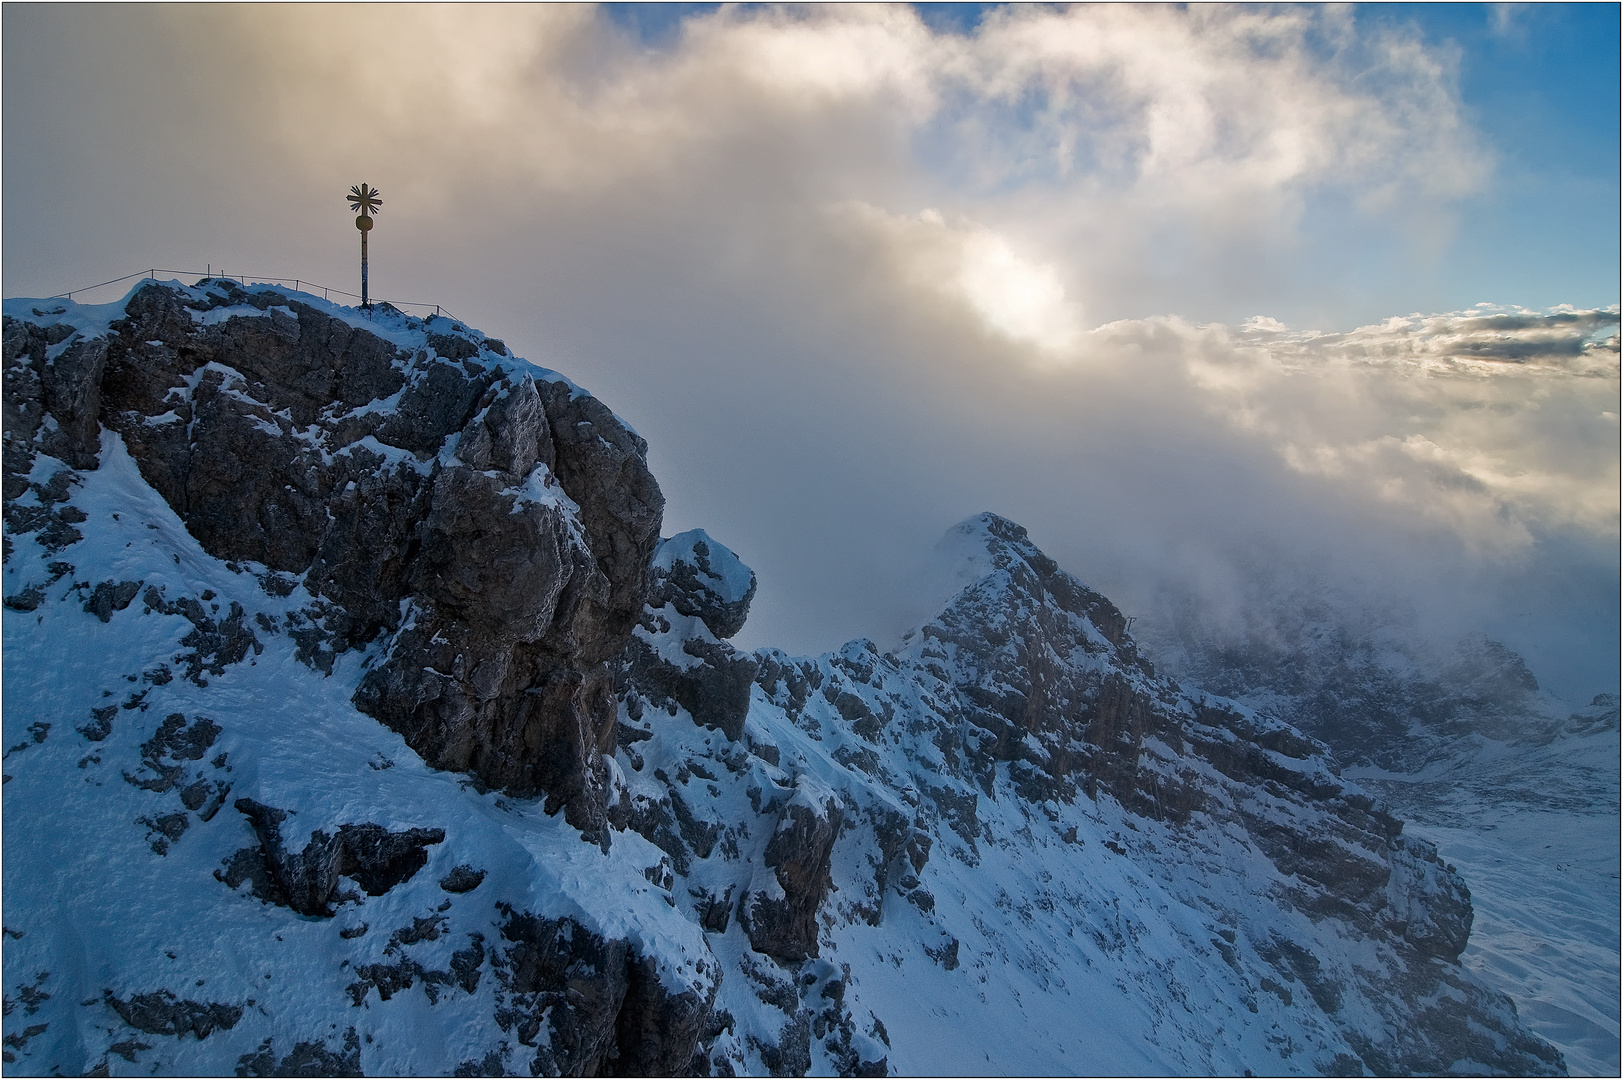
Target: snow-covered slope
[
  {"x": 1533, "y": 824},
  {"x": 429, "y": 758},
  {"x": 1514, "y": 787}
]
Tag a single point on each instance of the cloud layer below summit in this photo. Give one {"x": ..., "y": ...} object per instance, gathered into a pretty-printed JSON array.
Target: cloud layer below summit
[{"x": 856, "y": 277}]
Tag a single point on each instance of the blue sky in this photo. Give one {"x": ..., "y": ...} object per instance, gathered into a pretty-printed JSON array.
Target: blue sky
[{"x": 1541, "y": 82}]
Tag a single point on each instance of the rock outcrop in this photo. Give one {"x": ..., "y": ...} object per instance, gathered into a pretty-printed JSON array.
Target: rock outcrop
[
  {"x": 307, "y": 880},
  {"x": 699, "y": 577},
  {"x": 678, "y": 654},
  {"x": 486, "y": 524},
  {"x": 781, "y": 919},
  {"x": 607, "y": 1011}
]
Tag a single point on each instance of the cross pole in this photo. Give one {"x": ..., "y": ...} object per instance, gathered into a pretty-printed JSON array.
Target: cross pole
[{"x": 364, "y": 199}]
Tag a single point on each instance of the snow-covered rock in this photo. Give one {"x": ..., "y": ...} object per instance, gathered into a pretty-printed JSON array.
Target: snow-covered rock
[
  {"x": 483, "y": 522},
  {"x": 316, "y": 620},
  {"x": 1533, "y": 823},
  {"x": 699, "y": 577},
  {"x": 1517, "y": 788}
]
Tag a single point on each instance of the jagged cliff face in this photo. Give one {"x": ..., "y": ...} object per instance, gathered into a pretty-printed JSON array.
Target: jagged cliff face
[
  {"x": 986, "y": 786},
  {"x": 486, "y": 522},
  {"x": 318, "y": 620}
]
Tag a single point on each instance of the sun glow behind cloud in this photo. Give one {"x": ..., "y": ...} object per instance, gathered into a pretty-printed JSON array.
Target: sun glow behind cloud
[{"x": 1020, "y": 299}]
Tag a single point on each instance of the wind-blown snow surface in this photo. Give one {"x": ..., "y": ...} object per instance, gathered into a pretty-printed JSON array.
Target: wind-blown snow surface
[
  {"x": 1025, "y": 852},
  {"x": 1534, "y": 828}
]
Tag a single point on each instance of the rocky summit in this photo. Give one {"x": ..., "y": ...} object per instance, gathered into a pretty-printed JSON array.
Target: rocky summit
[{"x": 358, "y": 720}]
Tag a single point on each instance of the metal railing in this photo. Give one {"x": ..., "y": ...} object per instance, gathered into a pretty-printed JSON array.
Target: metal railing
[{"x": 327, "y": 292}]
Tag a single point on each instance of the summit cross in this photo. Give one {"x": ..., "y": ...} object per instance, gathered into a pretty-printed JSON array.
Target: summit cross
[{"x": 365, "y": 201}]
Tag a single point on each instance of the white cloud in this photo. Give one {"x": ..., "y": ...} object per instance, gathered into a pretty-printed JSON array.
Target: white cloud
[
  {"x": 855, "y": 280},
  {"x": 1490, "y": 422},
  {"x": 1103, "y": 130}
]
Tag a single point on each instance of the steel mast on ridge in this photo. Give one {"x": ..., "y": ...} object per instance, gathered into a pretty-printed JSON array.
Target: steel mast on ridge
[{"x": 364, "y": 199}]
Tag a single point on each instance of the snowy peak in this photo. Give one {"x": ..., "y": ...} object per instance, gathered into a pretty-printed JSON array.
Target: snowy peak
[
  {"x": 1010, "y": 752},
  {"x": 987, "y": 556},
  {"x": 977, "y": 547}
]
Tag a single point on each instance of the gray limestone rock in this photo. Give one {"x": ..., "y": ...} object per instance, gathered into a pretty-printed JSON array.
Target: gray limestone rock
[
  {"x": 715, "y": 690},
  {"x": 782, "y": 923},
  {"x": 697, "y": 576},
  {"x": 71, "y": 381},
  {"x": 111, "y": 596},
  {"x": 607, "y": 1008},
  {"x": 161, "y": 1013},
  {"x": 462, "y": 879},
  {"x": 309, "y": 1058},
  {"x": 307, "y": 880},
  {"x": 701, "y": 596},
  {"x": 491, "y": 525}
]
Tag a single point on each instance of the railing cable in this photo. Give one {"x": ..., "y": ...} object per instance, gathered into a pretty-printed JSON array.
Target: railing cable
[{"x": 327, "y": 292}]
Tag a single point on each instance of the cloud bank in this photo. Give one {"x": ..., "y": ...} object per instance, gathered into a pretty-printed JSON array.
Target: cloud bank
[{"x": 855, "y": 278}]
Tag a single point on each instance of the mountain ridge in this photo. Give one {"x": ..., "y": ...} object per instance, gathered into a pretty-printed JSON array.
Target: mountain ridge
[{"x": 456, "y": 656}]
